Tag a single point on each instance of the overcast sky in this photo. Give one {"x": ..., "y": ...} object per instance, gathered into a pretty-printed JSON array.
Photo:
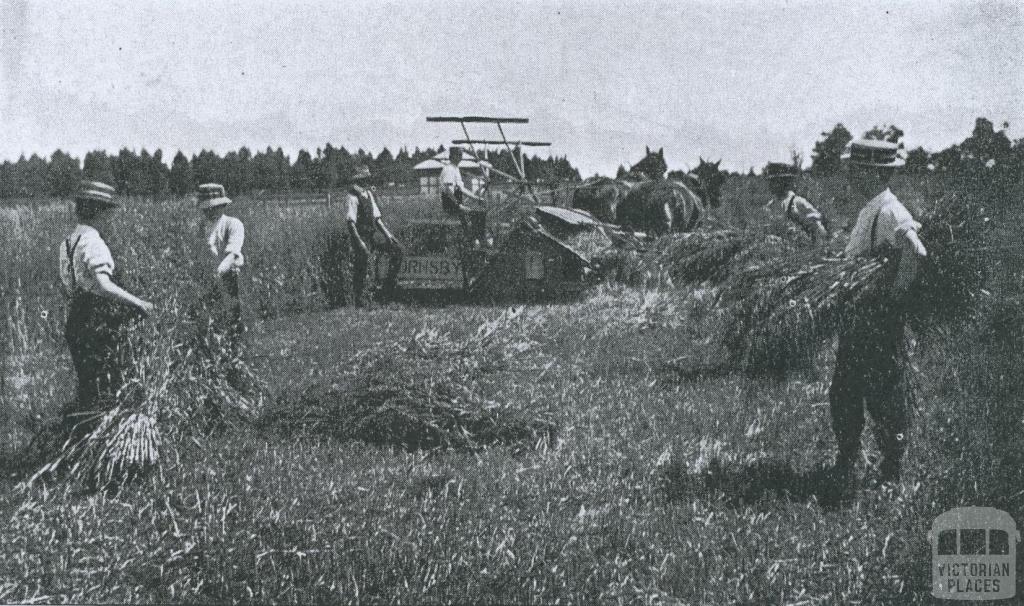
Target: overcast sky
[{"x": 742, "y": 81}]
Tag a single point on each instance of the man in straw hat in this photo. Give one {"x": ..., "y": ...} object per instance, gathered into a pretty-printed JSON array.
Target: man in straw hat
[
  {"x": 871, "y": 356},
  {"x": 796, "y": 209},
  {"x": 98, "y": 309},
  {"x": 221, "y": 241},
  {"x": 363, "y": 218}
]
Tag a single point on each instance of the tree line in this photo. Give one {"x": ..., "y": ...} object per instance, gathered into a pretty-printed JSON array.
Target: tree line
[{"x": 240, "y": 171}]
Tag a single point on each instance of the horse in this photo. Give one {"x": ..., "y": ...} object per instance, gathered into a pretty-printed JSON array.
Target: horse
[
  {"x": 651, "y": 167},
  {"x": 665, "y": 205},
  {"x": 601, "y": 196}
]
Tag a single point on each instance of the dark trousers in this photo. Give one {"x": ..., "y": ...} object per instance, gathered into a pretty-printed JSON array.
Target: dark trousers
[
  {"x": 869, "y": 376},
  {"x": 363, "y": 283},
  {"x": 96, "y": 341},
  {"x": 227, "y": 316},
  {"x": 220, "y": 324},
  {"x": 474, "y": 222},
  {"x": 451, "y": 202}
]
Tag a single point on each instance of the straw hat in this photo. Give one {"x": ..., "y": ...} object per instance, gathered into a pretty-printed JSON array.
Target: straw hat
[
  {"x": 97, "y": 192},
  {"x": 779, "y": 170},
  {"x": 211, "y": 195},
  {"x": 362, "y": 172},
  {"x": 873, "y": 152}
]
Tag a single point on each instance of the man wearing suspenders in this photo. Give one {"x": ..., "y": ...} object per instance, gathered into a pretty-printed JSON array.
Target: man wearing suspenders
[
  {"x": 221, "y": 240},
  {"x": 872, "y": 354},
  {"x": 98, "y": 308},
  {"x": 363, "y": 218},
  {"x": 797, "y": 210}
]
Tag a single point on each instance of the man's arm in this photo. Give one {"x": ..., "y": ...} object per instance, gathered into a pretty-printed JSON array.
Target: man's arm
[
  {"x": 912, "y": 253},
  {"x": 112, "y": 291},
  {"x": 820, "y": 234},
  {"x": 232, "y": 249},
  {"x": 456, "y": 183},
  {"x": 356, "y": 238},
  {"x": 469, "y": 193},
  {"x": 387, "y": 233},
  {"x": 229, "y": 263},
  {"x": 351, "y": 216},
  {"x": 811, "y": 220}
]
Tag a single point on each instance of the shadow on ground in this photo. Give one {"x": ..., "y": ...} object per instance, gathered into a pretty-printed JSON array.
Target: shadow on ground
[{"x": 758, "y": 483}]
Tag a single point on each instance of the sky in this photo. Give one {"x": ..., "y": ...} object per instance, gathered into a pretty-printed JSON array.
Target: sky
[{"x": 744, "y": 82}]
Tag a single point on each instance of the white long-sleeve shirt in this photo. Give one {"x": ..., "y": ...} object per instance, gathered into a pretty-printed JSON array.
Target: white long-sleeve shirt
[{"x": 223, "y": 236}]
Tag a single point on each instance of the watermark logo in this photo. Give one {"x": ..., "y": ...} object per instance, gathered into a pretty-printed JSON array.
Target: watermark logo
[{"x": 974, "y": 553}]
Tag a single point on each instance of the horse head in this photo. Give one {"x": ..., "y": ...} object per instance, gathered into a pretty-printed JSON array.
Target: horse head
[
  {"x": 652, "y": 165},
  {"x": 709, "y": 180}
]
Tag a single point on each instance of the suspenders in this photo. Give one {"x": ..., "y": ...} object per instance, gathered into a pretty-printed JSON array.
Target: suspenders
[
  {"x": 70, "y": 250},
  {"x": 789, "y": 207},
  {"x": 874, "y": 230}
]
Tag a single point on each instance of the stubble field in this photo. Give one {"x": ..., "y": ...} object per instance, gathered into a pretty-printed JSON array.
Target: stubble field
[{"x": 663, "y": 483}]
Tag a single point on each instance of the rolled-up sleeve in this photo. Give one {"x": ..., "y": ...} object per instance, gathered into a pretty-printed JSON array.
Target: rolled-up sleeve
[
  {"x": 374, "y": 209},
  {"x": 96, "y": 257},
  {"x": 898, "y": 220},
  {"x": 351, "y": 208},
  {"x": 235, "y": 237},
  {"x": 805, "y": 211}
]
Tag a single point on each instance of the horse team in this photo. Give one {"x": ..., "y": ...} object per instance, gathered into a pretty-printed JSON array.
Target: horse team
[{"x": 646, "y": 201}]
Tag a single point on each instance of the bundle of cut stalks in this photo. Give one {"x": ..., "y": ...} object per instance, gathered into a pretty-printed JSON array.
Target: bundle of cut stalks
[
  {"x": 700, "y": 256},
  {"x": 423, "y": 395},
  {"x": 392, "y": 399},
  {"x": 124, "y": 445},
  {"x": 956, "y": 232},
  {"x": 710, "y": 257},
  {"x": 782, "y": 312},
  {"x": 171, "y": 394},
  {"x": 390, "y": 402}
]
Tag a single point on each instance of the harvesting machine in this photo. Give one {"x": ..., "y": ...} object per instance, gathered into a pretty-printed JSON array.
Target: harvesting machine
[{"x": 533, "y": 250}]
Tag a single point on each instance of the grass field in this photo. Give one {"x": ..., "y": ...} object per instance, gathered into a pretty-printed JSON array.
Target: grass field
[{"x": 664, "y": 484}]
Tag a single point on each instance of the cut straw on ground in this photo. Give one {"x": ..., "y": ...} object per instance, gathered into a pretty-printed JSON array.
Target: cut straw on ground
[{"x": 422, "y": 395}]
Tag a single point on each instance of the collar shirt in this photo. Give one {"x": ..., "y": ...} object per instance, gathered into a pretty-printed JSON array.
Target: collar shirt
[
  {"x": 789, "y": 210},
  {"x": 796, "y": 208},
  {"x": 223, "y": 236},
  {"x": 451, "y": 175},
  {"x": 361, "y": 208},
  {"x": 83, "y": 257},
  {"x": 882, "y": 222}
]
